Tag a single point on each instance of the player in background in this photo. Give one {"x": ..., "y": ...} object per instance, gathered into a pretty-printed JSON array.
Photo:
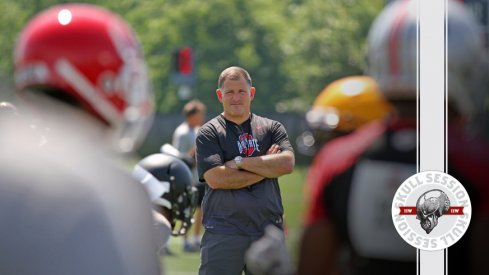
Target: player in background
[
  {"x": 168, "y": 181},
  {"x": 341, "y": 107},
  {"x": 353, "y": 185},
  {"x": 183, "y": 140},
  {"x": 68, "y": 207}
]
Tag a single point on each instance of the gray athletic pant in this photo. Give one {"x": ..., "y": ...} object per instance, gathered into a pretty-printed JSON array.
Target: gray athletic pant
[{"x": 224, "y": 254}]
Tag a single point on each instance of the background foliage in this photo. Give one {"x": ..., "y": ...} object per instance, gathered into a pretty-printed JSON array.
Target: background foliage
[{"x": 292, "y": 48}]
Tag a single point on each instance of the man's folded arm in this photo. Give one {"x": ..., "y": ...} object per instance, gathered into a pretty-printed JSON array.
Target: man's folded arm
[
  {"x": 222, "y": 177},
  {"x": 270, "y": 165}
]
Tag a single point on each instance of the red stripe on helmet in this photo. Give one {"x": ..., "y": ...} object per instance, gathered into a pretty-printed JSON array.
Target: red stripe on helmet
[{"x": 394, "y": 59}]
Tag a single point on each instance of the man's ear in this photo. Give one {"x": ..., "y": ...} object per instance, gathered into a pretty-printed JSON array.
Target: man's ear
[
  {"x": 219, "y": 95},
  {"x": 252, "y": 92}
]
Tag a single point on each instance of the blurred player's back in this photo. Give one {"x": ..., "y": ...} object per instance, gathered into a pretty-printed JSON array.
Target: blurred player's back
[
  {"x": 66, "y": 209},
  {"x": 64, "y": 205}
]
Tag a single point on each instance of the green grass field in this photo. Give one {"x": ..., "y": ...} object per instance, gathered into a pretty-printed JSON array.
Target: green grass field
[{"x": 293, "y": 200}]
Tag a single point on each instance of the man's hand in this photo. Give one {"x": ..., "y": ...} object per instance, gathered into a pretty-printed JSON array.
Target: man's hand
[
  {"x": 272, "y": 165},
  {"x": 274, "y": 149},
  {"x": 231, "y": 164}
]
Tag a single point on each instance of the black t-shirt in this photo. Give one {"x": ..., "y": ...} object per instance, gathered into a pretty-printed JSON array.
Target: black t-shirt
[{"x": 247, "y": 210}]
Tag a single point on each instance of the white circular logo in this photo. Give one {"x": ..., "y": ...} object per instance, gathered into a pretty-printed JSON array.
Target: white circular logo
[{"x": 431, "y": 210}]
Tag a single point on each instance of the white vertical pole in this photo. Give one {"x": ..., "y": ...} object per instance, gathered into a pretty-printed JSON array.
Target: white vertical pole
[{"x": 431, "y": 111}]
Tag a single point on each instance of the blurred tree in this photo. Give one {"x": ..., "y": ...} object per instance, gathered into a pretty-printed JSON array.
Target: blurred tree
[
  {"x": 13, "y": 17},
  {"x": 292, "y": 48},
  {"x": 326, "y": 41}
]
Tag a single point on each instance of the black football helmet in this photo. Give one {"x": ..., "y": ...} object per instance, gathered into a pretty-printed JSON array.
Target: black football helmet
[{"x": 179, "y": 195}]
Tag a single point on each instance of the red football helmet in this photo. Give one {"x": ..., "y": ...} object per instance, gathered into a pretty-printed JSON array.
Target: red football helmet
[
  {"x": 91, "y": 57},
  {"x": 392, "y": 49}
]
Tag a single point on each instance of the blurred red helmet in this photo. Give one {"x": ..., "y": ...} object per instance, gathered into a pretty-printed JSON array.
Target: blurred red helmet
[
  {"x": 90, "y": 56},
  {"x": 392, "y": 49}
]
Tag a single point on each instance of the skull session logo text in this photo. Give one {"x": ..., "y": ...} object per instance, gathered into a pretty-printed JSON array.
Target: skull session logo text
[{"x": 431, "y": 210}]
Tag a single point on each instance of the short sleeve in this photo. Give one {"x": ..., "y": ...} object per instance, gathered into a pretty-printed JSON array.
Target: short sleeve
[
  {"x": 279, "y": 136},
  {"x": 208, "y": 151}
]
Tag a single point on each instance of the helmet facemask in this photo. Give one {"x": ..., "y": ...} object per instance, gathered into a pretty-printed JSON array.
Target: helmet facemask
[{"x": 183, "y": 208}]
